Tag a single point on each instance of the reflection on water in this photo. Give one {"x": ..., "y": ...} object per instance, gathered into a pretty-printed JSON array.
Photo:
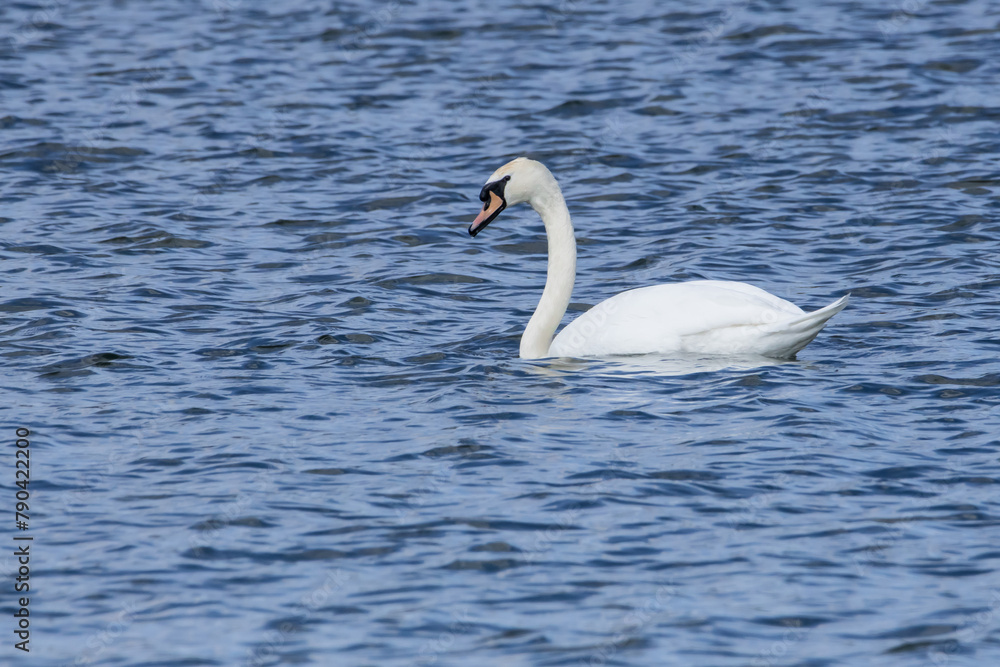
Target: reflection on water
[{"x": 653, "y": 364}]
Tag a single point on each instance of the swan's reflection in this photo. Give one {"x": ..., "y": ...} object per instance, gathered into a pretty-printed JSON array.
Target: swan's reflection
[{"x": 652, "y": 364}]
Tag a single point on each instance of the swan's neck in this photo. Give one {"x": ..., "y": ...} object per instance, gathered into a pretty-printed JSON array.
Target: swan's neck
[{"x": 551, "y": 206}]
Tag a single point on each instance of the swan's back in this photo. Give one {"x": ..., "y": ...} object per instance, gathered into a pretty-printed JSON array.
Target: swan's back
[{"x": 704, "y": 316}]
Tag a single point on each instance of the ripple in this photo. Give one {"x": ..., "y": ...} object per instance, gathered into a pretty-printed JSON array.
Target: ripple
[{"x": 273, "y": 387}]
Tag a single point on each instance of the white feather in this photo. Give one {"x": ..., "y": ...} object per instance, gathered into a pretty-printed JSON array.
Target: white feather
[{"x": 707, "y": 317}]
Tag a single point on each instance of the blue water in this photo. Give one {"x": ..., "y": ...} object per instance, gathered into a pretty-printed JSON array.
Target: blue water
[{"x": 276, "y": 410}]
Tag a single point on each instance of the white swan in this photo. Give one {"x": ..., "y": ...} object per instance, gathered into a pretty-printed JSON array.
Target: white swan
[{"x": 704, "y": 316}]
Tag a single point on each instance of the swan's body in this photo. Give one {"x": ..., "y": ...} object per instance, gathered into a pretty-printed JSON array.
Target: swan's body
[
  {"x": 703, "y": 317},
  {"x": 709, "y": 317}
]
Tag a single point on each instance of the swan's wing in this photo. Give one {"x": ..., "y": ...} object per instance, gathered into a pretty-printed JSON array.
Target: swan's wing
[
  {"x": 674, "y": 317},
  {"x": 783, "y": 339}
]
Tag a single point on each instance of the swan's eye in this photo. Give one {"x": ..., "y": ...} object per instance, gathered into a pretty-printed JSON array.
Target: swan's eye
[{"x": 495, "y": 186}]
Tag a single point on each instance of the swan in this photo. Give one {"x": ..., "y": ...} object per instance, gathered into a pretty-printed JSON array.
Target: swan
[{"x": 707, "y": 317}]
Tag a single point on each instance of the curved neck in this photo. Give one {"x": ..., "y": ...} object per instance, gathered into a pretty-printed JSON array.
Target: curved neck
[{"x": 551, "y": 206}]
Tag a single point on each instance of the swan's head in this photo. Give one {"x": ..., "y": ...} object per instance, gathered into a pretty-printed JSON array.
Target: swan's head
[{"x": 515, "y": 182}]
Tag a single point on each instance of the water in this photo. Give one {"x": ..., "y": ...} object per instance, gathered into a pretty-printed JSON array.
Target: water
[{"x": 277, "y": 415}]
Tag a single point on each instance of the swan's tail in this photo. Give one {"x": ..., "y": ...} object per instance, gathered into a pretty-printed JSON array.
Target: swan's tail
[{"x": 790, "y": 336}]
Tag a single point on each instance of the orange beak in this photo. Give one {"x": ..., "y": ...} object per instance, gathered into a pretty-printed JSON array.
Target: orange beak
[{"x": 491, "y": 209}]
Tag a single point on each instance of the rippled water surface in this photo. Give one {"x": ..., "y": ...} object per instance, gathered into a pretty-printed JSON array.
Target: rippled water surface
[{"x": 276, "y": 408}]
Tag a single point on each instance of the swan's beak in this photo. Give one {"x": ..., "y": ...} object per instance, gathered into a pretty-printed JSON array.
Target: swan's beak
[
  {"x": 493, "y": 202},
  {"x": 491, "y": 209}
]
